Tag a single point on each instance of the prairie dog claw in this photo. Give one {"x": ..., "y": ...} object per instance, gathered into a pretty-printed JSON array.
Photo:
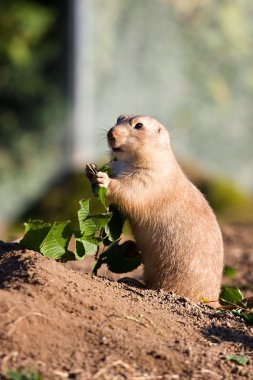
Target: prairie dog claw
[{"x": 91, "y": 171}]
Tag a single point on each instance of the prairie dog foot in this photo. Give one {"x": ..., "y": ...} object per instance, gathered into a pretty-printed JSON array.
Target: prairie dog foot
[{"x": 102, "y": 179}]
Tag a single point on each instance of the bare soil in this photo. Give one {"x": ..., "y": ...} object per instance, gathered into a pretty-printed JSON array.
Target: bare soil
[{"x": 66, "y": 324}]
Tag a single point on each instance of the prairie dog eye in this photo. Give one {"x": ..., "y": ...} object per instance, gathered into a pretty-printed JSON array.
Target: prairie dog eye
[{"x": 138, "y": 126}]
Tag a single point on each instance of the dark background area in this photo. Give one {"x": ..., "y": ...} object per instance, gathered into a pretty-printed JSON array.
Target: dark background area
[{"x": 37, "y": 61}]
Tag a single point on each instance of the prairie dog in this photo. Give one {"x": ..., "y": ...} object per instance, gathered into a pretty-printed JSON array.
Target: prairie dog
[{"x": 173, "y": 225}]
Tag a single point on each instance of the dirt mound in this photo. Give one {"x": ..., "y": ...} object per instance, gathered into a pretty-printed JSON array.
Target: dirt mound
[{"x": 66, "y": 324}]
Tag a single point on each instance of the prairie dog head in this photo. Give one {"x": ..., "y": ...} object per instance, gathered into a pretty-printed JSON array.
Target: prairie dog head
[{"x": 134, "y": 138}]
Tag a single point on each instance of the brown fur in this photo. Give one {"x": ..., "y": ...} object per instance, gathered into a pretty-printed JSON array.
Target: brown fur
[{"x": 173, "y": 225}]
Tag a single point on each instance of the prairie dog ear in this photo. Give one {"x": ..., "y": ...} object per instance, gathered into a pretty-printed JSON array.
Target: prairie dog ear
[{"x": 121, "y": 118}]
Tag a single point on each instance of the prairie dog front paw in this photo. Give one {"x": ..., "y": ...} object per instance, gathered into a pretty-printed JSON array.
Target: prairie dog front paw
[
  {"x": 91, "y": 171},
  {"x": 102, "y": 179}
]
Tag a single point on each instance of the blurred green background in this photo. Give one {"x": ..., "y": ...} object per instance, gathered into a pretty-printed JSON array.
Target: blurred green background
[
  {"x": 33, "y": 100},
  {"x": 69, "y": 68}
]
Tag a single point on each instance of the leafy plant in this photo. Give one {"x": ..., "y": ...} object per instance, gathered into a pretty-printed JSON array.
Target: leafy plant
[
  {"x": 233, "y": 299},
  {"x": 96, "y": 232}
]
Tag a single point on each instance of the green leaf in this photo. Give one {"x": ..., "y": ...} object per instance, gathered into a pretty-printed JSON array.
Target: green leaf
[
  {"x": 94, "y": 223},
  {"x": 106, "y": 169},
  {"x": 102, "y": 196},
  {"x": 120, "y": 258},
  {"x": 241, "y": 360},
  {"x": 79, "y": 251},
  {"x": 49, "y": 239},
  {"x": 55, "y": 244},
  {"x": 35, "y": 233},
  {"x": 101, "y": 192},
  {"x": 115, "y": 226},
  {"x": 230, "y": 295},
  {"x": 247, "y": 316},
  {"x": 229, "y": 271},
  {"x": 91, "y": 245},
  {"x": 90, "y": 224},
  {"x": 86, "y": 246},
  {"x": 83, "y": 212}
]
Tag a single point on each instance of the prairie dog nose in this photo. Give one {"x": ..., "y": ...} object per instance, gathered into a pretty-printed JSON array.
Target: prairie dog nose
[{"x": 110, "y": 135}]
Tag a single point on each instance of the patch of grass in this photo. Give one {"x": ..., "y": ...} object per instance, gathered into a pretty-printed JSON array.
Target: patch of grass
[
  {"x": 240, "y": 360},
  {"x": 229, "y": 201},
  {"x": 229, "y": 271},
  {"x": 18, "y": 375}
]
